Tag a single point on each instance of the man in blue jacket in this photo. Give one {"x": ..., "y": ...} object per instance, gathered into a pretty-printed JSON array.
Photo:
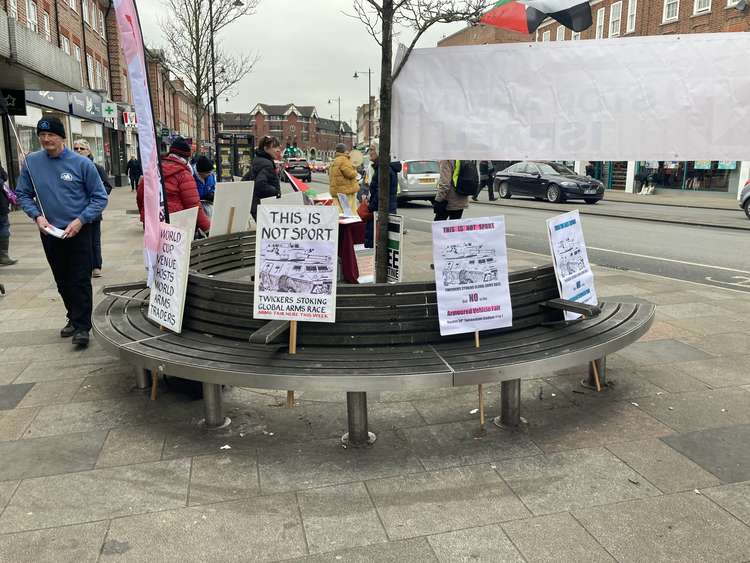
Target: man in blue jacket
[{"x": 63, "y": 193}]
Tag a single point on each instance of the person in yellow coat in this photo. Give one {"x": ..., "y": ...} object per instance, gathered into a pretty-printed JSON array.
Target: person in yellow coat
[{"x": 343, "y": 179}]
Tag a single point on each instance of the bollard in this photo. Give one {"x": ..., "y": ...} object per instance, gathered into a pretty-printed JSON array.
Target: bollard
[
  {"x": 356, "y": 409},
  {"x": 212, "y": 406},
  {"x": 510, "y": 403}
]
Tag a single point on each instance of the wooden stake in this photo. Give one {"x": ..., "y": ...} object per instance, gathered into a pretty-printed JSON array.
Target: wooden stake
[
  {"x": 596, "y": 376},
  {"x": 476, "y": 339},
  {"x": 481, "y": 407},
  {"x": 154, "y": 384},
  {"x": 292, "y": 350},
  {"x": 290, "y": 399},
  {"x": 231, "y": 220}
]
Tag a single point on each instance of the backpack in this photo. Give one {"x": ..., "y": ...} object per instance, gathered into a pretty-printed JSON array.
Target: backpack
[{"x": 466, "y": 177}]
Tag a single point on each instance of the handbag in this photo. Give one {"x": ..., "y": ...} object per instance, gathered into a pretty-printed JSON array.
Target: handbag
[
  {"x": 364, "y": 211},
  {"x": 10, "y": 194}
]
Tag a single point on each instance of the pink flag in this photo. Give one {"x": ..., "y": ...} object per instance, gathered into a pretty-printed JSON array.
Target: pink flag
[{"x": 131, "y": 39}]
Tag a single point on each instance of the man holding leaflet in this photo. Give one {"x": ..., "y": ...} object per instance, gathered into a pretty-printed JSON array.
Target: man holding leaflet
[{"x": 62, "y": 192}]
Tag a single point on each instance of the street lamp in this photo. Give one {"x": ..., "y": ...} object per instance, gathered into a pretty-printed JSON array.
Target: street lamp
[
  {"x": 369, "y": 103},
  {"x": 217, "y": 154},
  {"x": 339, "y": 100}
]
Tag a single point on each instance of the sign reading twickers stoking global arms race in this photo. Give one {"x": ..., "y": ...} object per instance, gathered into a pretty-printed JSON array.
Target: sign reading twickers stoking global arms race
[
  {"x": 575, "y": 280},
  {"x": 167, "y": 300},
  {"x": 471, "y": 275},
  {"x": 296, "y": 263}
]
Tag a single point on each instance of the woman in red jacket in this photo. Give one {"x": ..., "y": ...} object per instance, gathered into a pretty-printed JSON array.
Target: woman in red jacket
[{"x": 179, "y": 184}]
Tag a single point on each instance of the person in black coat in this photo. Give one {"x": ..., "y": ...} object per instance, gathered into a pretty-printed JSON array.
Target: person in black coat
[
  {"x": 135, "y": 171},
  {"x": 263, "y": 172}
]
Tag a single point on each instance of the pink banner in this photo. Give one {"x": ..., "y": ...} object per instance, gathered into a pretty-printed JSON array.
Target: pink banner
[{"x": 131, "y": 40}]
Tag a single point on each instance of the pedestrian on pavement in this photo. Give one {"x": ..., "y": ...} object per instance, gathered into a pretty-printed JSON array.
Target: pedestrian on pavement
[
  {"x": 135, "y": 171},
  {"x": 60, "y": 189},
  {"x": 205, "y": 179},
  {"x": 343, "y": 178},
  {"x": 458, "y": 180},
  {"x": 82, "y": 147},
  {"x": 5, "y": 259},
  {"x": 263, "y": 172},
  {"x": 485, "y": 180},
  {"x": 374, "y": 201},
  {"x": 179, "y": 184}
]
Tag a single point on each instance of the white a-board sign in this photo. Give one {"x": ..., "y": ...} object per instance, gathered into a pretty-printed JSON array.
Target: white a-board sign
[
  {"x": 296, "y": 262},
  {"x": 167, "y": 299},
  {"x": 575, "y": 280},
  {"x": 471, "y": 275},
  {"x": 232, "y": 201}
]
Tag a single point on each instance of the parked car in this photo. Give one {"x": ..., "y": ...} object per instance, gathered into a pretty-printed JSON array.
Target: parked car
[
  {"x": 418, "y": 179},
  {"x": 745, "y": 199},
  {"x": 299, "y": 168},
  {"x": 547, "y": 180}
]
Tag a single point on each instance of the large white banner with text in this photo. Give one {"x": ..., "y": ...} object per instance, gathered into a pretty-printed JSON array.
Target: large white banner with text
[{"x": 672, "y": 97}]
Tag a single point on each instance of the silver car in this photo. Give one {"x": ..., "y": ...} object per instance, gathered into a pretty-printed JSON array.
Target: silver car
[
  {"x": 418, "y": 179},
  {"x": 745, "y": 199}
]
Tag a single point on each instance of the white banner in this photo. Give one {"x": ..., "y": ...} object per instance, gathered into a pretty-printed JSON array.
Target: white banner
[
  {"x": 471, "y": 274},
  {"x": 167, "y": 300},
  {"x": 296, "y": 257},
  {"x": 575, "y": 280},
  {"x": 672, "y": 97}
]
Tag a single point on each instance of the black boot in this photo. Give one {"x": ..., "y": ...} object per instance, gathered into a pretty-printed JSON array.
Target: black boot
[{"x": 5, "y": 259}]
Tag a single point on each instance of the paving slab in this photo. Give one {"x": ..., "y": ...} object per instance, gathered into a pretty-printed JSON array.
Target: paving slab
[
  {"x": 258, "y": 529},
  {"x": 727, "y": 371},
  {"x": 9, "y": 371},
  {"x": 13, "y": 423},
  {"x": 7, "y": 488},
  {"x": 222, "y": 477},
  {"x": 726, "y": 344},
  {"x": 111, "y": 385},
  {"x": 441, "y": 446},
  {"x": 46, "y": 352},
  {"x": 663, "y": 352},
  {"x": 443, "y": 501},
  {"x": 722, "y": 451},
  {"x": 735, "y": 498},
  {"x": 700, "y": 410},
  {"x": 691, "y": 310},
  {"x": 55, "y": 392},
  {"x": 663, "y": 466},
  {"x": 131, "y": 444},
  {"x": 24, "y": 459},
  {"x": 572, "y": 480},
  {"x": 708, "y": 326},
  {"x": 50, "y": 370},
  {"x": 624, "y": 384},
  {"x": 69, "y": 544},
  {"x": 487, "y": 544},
  {"x": 291, "y": 467},
  {"x": 339, "y": 517},
  {"x": 392, "y": 552},
  {"x": 97, "y": 495},
  {"x": 555, "y": 538},
  {"x": 11, "y": 395},
  {"x": 670, "y": 377},
  {"x": 683, "y": 527}
]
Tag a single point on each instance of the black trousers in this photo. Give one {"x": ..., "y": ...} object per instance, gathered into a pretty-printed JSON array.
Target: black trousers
[
  {"x": 490, "y": 188},
  {"x": 134, "y": 182},
  {"x": 71, "y": 261},
  {"x": 444, "y": 214},
  {"x": 96, "y": 245}
]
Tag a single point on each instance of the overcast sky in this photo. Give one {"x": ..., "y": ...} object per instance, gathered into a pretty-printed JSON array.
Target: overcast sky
[{"x": 309, "y": 52}]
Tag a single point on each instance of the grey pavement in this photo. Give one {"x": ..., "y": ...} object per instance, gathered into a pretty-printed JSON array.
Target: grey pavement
[{"x": 655, "y": 468}]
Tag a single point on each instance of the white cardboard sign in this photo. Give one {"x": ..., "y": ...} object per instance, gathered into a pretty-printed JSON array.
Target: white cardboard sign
[
  {"x": 229, "y": 195},
  {"x": 296, "y": 263},
  {"x": 167, "y": 300},
  {"x": 471, "y": 275},
  {"x": 575, "y": 280}
]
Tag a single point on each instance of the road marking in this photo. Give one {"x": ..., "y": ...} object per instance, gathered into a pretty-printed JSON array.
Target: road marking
[{"x": 699, "y": 265}]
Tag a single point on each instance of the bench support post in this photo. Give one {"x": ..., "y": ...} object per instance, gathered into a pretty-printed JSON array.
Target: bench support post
[
  {"x": 510, "y": 403},
  {"x": 356, "y": 410},
  {"x": 142, "y": 377},
  {"x": 601, "y": 365},
  {"x": 212, "y": 406}
]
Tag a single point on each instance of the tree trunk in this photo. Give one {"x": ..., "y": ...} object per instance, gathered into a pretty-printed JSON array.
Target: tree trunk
[{"x": 384, "y": 156}]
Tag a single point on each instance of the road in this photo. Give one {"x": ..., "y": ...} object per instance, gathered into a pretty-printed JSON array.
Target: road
[{"x": 706, "y": 255}]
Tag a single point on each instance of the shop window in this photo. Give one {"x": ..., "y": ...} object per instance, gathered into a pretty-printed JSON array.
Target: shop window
[
  {"x": 701, "y": 6},
  {"x": 671, "y": 10},
  {"x": 615, "y": 19},
  {"x": 600, "y": 23},
  {"x": 632, "y": 9}
]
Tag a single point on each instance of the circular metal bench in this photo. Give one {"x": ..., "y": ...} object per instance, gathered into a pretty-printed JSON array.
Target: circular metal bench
[{"x": 386, "y": 337}]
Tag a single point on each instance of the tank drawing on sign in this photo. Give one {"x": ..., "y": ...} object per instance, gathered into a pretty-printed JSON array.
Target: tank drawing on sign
[
  {"x": 290, "y": 267},
  {"x": 467, "y": 264},
  {"x": 570, "y": 257}
]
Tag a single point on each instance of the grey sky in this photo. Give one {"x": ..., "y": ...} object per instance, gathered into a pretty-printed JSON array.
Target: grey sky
[{"x": 309, "y": 52}]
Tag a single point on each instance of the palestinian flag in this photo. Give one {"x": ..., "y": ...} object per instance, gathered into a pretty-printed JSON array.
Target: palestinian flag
[
  {"x": 525, "y": 16},
  {"x": 299, "y": 186}
]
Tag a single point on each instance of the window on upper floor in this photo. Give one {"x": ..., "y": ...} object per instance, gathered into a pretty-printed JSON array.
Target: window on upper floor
[
  {"x": 671, "y": 10},
  {"x": 701, "y": 6},
  {"x": 632, "y": 10},
  {"x": 615, "y": 19},
  {"x": 13, "y": 8},
  {"x": 600, "y": 13},
  {"x": 102, "y": 31},
  {"x": 47, "y": 28},
  {"x": 99, "y": 81},
  {"x": 77, "y": 51},
  {"x": 66, "y": 45},
  {"x": 86, "y": 17},
  {"x": 73, "y": 5},
  {"x": 90, "y": 70},
  {"x": 546, "y": 36},
  {"x": 32, "y": 16},
  {"x": 731, "y": 3}
]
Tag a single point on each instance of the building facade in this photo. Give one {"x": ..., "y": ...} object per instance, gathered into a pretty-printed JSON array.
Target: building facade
[
  {"x": 632, "y": 18},
  {"x": 368, "y": 116}
]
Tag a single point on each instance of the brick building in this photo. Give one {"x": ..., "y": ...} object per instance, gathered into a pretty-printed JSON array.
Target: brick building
[
  {"x": 368, "y": 115},
  {"x": 630, "y": 18}
]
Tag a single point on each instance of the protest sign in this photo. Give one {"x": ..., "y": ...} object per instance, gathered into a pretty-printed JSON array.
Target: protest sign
[
  {"x": 395, "y": 246},
  {"x": 296, "y": 263},
  {"x": 471, "y": 275},
  {"x": 167, "y": 299},
  {"x": 575, "y": 280},
  {"x": 232, "y": 202}
]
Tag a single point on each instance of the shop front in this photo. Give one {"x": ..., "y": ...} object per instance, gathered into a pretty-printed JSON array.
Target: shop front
[{"x": 720, "y": 176}]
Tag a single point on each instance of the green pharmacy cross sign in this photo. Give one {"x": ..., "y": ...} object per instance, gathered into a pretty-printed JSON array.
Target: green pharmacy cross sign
[{"x": 109, "y": 110}]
